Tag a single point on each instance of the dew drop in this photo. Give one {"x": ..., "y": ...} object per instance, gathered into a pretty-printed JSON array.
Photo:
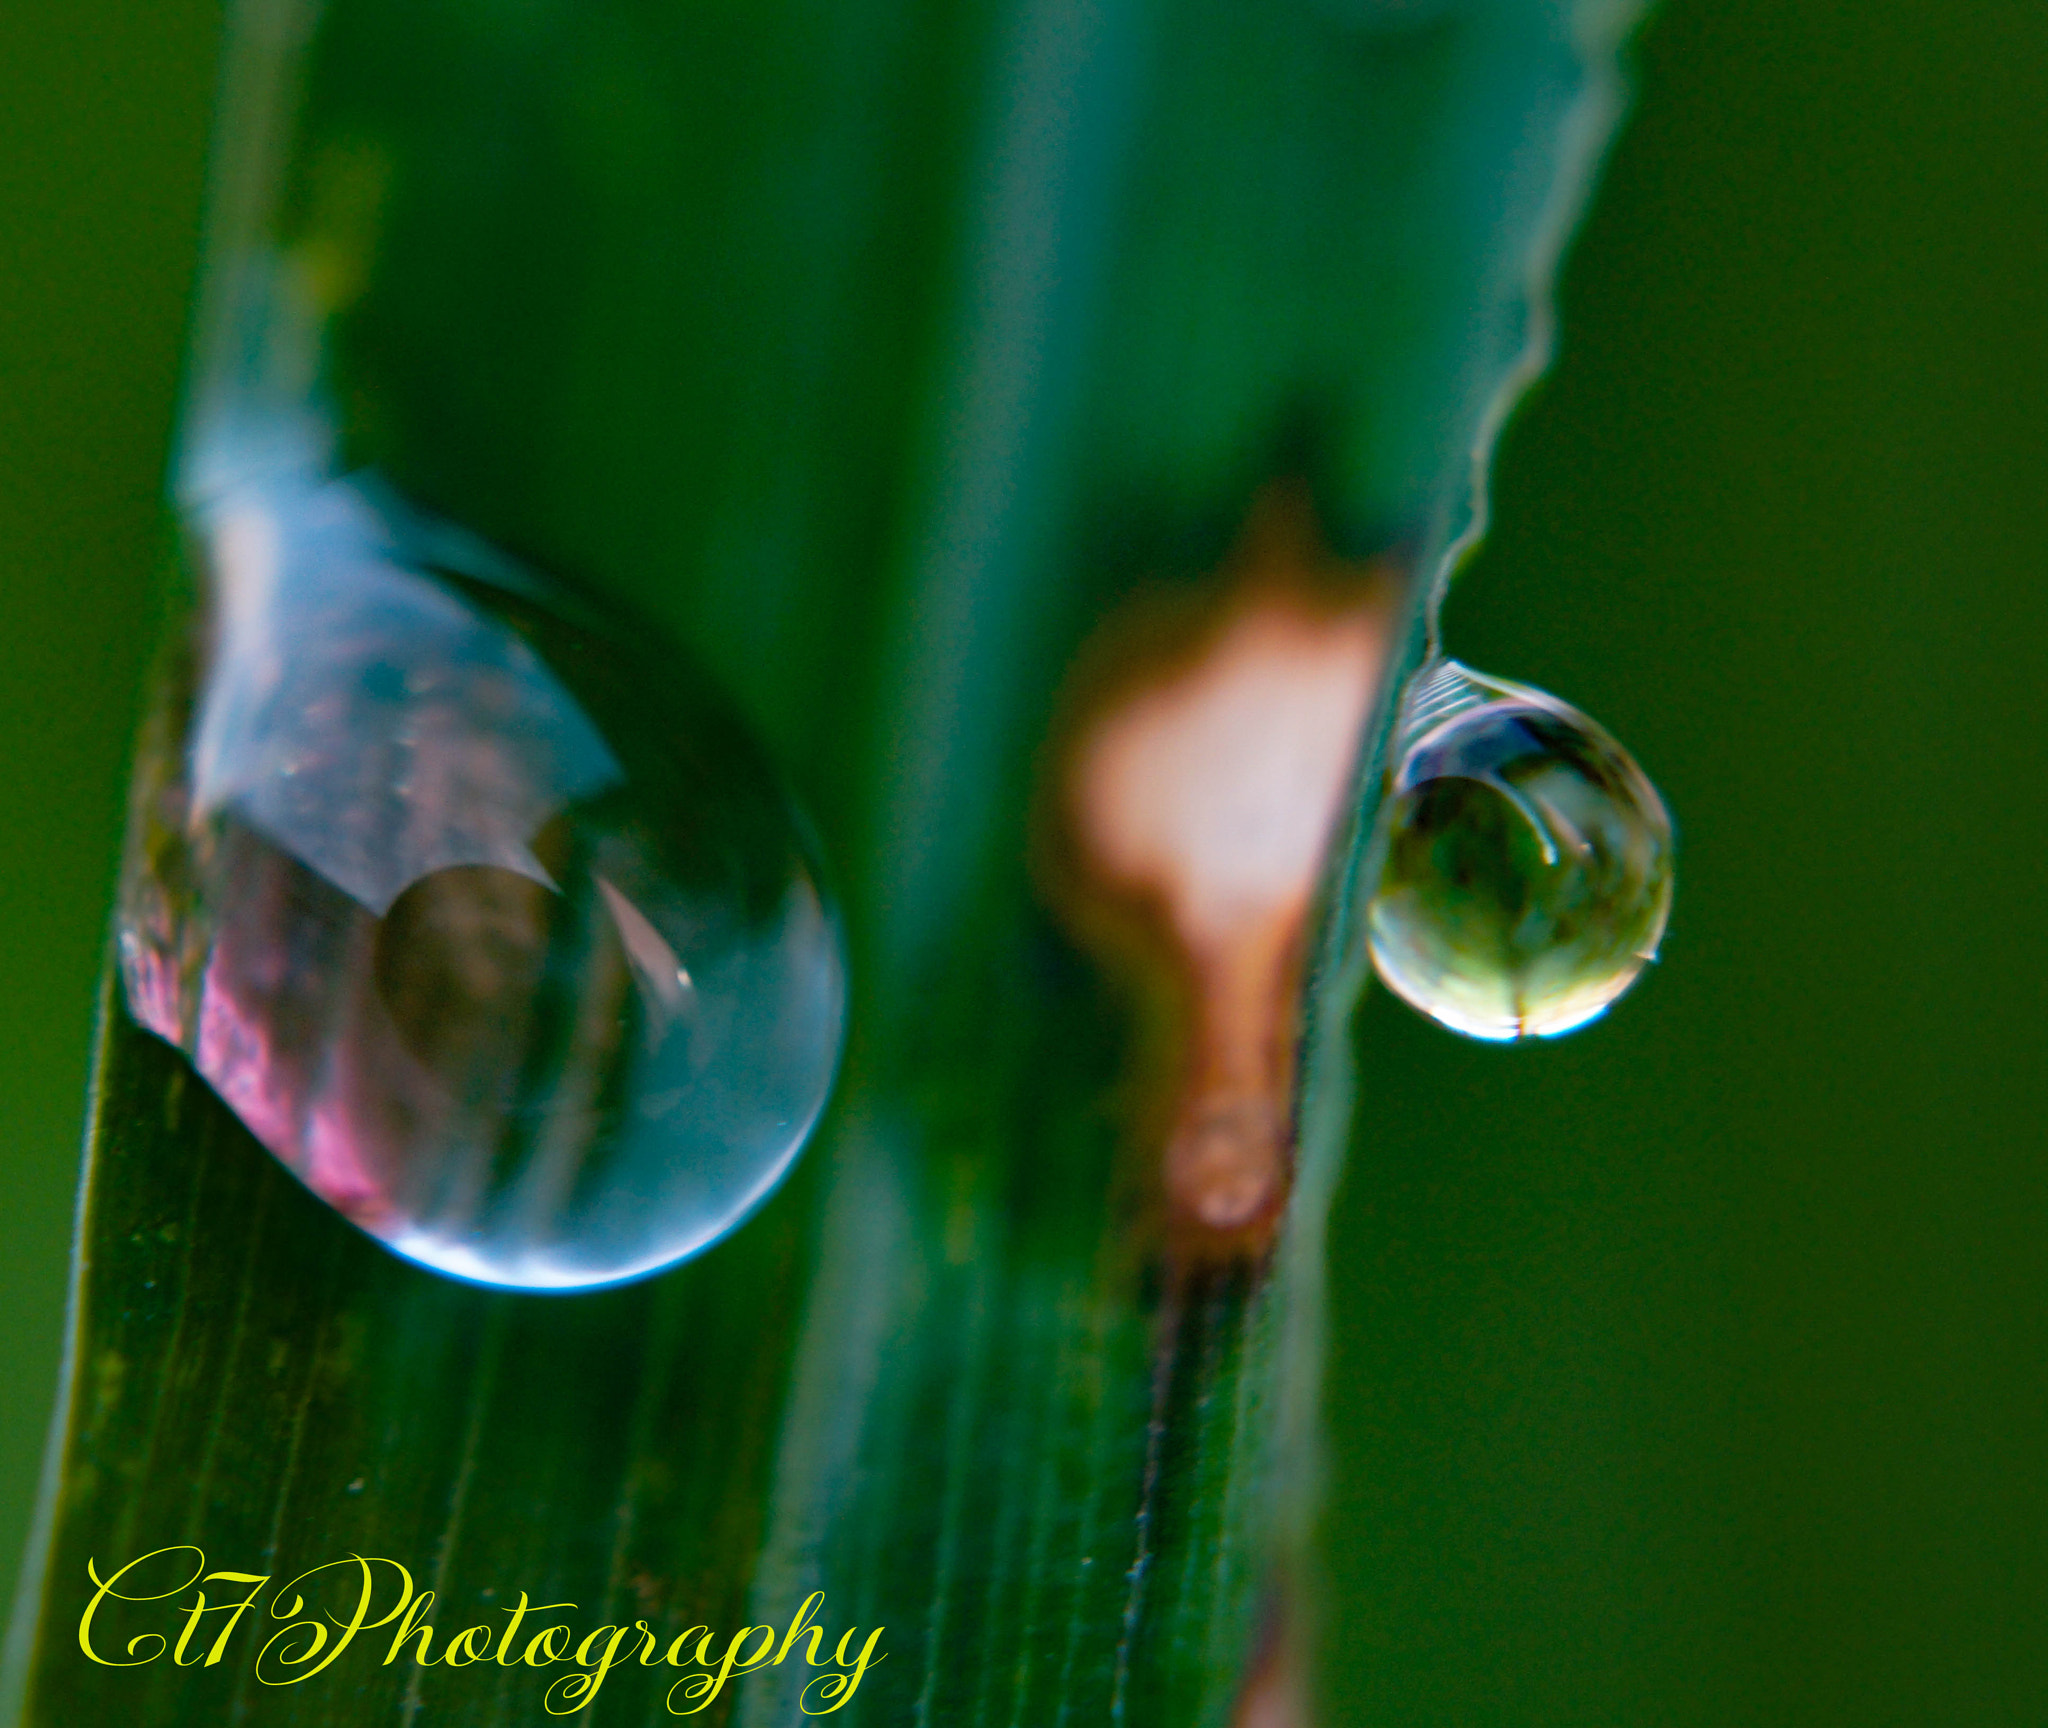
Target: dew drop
[
  {"x": 1523, "y": 860},
  {"x": 491, "y": 923}
]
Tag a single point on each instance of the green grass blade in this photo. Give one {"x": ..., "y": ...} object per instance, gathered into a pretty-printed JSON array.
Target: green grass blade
[{"x": 881, "y": 351}]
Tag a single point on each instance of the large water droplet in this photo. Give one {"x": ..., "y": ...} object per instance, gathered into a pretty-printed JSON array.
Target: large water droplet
[
  {"x": 1524, "y": 860},
  {"x": 491, "y": 924}
]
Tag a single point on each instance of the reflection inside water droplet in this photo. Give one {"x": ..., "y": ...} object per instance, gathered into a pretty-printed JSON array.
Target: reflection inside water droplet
[
  {"x": 1524, "y": 860},
  {"x": 494, "y": 928}
]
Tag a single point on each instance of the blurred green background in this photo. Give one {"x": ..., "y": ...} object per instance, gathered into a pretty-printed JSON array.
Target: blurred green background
[{"x": 1692, "y": 1370}]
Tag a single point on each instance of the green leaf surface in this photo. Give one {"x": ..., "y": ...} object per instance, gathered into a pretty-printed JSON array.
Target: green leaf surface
[{"x": 879, "y": 351}]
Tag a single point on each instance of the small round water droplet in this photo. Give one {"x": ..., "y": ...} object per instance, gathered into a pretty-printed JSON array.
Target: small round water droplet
[
  {"x": 491, "y": 924},
  {"x": 1524, "y": 860}
]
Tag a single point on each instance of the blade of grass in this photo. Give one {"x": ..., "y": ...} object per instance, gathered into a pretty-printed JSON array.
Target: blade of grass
[{"x": 880, "y": 350}]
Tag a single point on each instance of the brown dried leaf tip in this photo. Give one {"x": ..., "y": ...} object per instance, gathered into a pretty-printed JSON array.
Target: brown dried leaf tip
[{"x": 1198, "y": 777}]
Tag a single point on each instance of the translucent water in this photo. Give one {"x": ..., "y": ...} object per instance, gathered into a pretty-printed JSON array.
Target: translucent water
[
  {"x": 1524, "y": 862},
  {"x": 491, "y": 923}
]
